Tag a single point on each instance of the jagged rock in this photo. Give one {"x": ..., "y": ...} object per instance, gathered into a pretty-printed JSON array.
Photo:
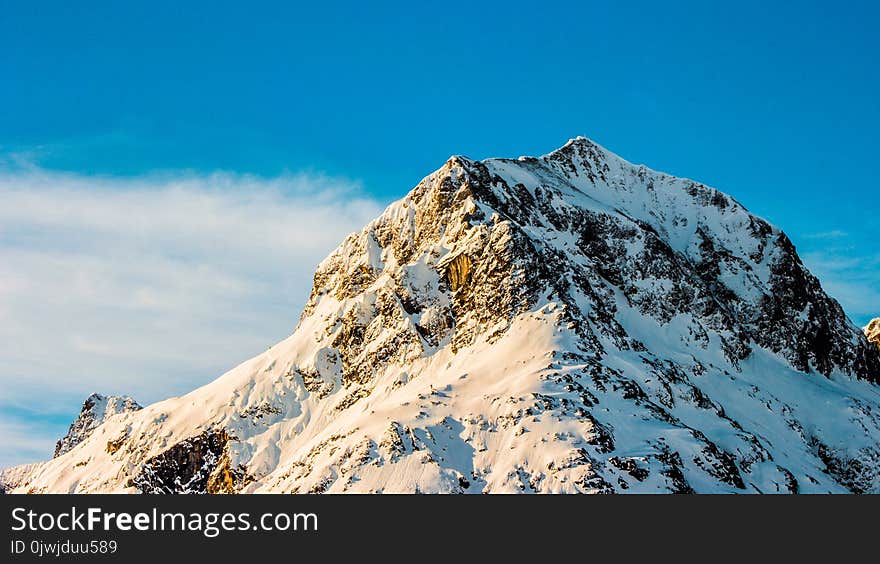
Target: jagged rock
[
  {"x": 872, "y": 331},
  {"x": 458, "y": 272},
  {"x": 196, "y": 465},
  {"x": 567, "y": 323},
  {"x": 95, "y": 410}
]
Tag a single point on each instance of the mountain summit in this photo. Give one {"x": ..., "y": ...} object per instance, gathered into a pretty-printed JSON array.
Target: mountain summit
[
  {"x": 872, "y": 331},
  {"x": 566, "y": 323},
  {"x": 95, "y": 410}
]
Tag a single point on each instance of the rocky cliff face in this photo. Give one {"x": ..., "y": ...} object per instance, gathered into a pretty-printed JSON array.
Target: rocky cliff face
[
  {"x": 872, "y": 331},
  {"x": 95, "y": 410},
  {"x": 568, "y": 323}
]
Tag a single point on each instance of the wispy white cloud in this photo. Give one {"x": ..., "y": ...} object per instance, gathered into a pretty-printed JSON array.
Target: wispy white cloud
[
  {"x": 152, "y": 286},
  {"x": 848, "y": 271},
  {"x": 24, "y": 441},
  {"x": 824, "y": 235}
]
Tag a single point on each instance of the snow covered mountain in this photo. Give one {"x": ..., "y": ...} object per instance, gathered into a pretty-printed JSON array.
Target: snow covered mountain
[
  {"x": 568, "y": 323},
  {"x": 11, "y": 478},
  {"x": 95, "y": 410},
  {"x": 872, "y": 331}
]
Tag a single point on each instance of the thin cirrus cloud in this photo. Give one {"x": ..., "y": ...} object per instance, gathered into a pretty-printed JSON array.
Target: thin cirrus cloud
[
  {"x": 149, "y": 286},
  {"x": 847, "y": 264},
  {"x": 850, "y": 276}
]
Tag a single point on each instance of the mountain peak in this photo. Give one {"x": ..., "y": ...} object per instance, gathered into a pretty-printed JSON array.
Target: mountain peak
[
  {"x": 565, "y": 323},
  {"x": 872, "y": 331},
  {"x": 95, "y": 410},
  {"x": 581, "y": 148},
  {"x": 580, "y": 142}
]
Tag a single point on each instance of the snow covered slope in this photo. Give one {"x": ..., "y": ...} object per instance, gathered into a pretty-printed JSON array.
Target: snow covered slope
[
  {"x": 95, "y": 410},
  {"x": 872, "y": 331},
  {"x": 568, "y": 323},
  {"x": 13, "y": 477}
]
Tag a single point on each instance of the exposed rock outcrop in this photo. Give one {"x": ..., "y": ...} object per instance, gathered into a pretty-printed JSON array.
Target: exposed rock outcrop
[
  {"x": 196, "y": 465},
  {"x": 95, "y": 410},
  {"x": 872, "y": 331}
]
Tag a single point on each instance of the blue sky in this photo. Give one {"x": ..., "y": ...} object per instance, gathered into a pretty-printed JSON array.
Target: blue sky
[{"x": 275, "y": 114}]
